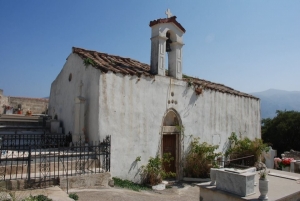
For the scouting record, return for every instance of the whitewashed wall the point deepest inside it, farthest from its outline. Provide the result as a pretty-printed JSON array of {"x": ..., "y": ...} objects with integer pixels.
[
  {"x": 63, "y": 94},
  {"x": 132, "y": 110}
]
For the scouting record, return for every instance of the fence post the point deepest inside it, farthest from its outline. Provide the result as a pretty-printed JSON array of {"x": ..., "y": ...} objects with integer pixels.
[
  {"x": 29, "y": 162},
  {"x": 109, "y": 152}
]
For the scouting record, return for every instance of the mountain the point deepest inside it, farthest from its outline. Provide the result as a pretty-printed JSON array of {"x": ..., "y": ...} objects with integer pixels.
[{"x": 274, "y": 99}]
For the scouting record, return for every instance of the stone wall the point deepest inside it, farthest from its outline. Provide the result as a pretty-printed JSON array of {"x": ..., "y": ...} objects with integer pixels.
[
  {"x": 35, "y": 105},
  {"x": 3, "y": 101}
]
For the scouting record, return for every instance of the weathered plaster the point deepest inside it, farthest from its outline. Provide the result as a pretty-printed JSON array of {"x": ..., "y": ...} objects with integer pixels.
[
  {"x": 131, "y": 110},
  {"x": 64, "y": 92}
]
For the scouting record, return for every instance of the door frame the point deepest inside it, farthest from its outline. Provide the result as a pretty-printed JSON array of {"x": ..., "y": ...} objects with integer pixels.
[{"x": 170, "y": 130}]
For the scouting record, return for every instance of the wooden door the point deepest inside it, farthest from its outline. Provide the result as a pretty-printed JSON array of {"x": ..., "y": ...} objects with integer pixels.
[{"x": 169, "y": 146}]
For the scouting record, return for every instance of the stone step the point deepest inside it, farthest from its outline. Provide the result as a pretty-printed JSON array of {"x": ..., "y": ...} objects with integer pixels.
[
  {"x": 51, "y": 174},
  {"x": 19, "y": 117}
]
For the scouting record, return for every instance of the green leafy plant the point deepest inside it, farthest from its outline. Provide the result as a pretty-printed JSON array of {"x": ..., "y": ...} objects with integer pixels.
[
  {"x": 74, "y": 196},
  {"x": 189, "y": 82},
  {"x": 37, "y": 198},
  {"x": 233, "y": 138},
  {"x": 283, "y": 131},
  {"x": 215, "y": 165},
  {"x": 138, "y": 159},
  {"x": 129, "y": 184},
  {"x": 199, "y": 159},
  {"x": 88, "y": 61},
  {"x": 245, "y": 147},
  {"x": 154, "y": 171}
]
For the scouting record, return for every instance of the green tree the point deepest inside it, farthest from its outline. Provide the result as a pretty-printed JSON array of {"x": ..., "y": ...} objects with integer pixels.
[{"x": 283, "y": 131}]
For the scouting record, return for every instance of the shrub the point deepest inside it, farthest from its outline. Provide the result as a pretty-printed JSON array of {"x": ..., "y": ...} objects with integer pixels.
[
  {"x": 38, "y": 198},
  {"x": 154, "y": 171},
  {"x": 129, "y": 184},
  {"x": 245, "y": 147},
  {"x": 74, "y": 196},
  {"x": 199, "y": 158}
]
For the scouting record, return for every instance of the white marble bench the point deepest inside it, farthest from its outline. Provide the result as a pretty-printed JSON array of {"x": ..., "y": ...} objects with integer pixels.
[{"x": 239, "y": 182}]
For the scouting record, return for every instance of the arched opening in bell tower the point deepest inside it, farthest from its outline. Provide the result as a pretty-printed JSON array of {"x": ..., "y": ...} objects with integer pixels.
[{"x": 170, "y": 39}]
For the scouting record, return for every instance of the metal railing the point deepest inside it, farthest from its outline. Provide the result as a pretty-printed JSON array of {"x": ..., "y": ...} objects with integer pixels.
[
  {"x": 47, "y": 159},
  {"x": 235, "y": 162},
  {"x": 241, "y": 162},
  {"x": 42, "y": 140}
]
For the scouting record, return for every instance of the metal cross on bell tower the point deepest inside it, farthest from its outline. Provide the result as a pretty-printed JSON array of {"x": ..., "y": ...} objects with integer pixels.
[{"x": 168, "y": 13}]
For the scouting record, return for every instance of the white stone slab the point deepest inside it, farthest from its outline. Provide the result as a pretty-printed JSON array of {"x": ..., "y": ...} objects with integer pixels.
[
  {"x": 284, "y": 176},
  {"x": 239, "y": 171},
  {"x": 279, "y": 189},
  {"x": 269, "y": 158},
  {"x": 241, "y": 184}
]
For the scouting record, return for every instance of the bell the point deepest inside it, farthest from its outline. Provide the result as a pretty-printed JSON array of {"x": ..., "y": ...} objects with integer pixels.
[{"x": 168, "y": 46}]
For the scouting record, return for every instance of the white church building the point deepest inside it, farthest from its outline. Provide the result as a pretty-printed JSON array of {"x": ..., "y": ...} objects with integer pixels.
[{"x": 144, "y": 106}]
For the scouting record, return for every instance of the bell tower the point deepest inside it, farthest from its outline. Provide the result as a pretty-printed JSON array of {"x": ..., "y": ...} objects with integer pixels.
[{"x": 166, "y": 44}]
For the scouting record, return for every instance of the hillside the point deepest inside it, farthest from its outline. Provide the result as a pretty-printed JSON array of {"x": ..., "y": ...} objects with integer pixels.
[{"x": 274, "y": 99}]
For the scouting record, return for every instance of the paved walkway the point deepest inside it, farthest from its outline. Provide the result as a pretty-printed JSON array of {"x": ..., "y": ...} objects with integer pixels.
[
  {"x": 181, "y": 192},
  {"x": 178, "y": 192},
  {"x": 55, "y": 193}
]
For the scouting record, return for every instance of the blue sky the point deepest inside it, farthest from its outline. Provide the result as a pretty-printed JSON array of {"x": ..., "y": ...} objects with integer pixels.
[{"x": 251, "y": 45}]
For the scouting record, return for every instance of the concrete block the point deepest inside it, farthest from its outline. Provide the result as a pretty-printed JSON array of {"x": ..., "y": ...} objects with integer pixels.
[
  {"x": 21, "y": 184},
  {"x": 111, "y": 183},
  {"x": 159, "y": 187},
  {"x": 83, "y": 181}
]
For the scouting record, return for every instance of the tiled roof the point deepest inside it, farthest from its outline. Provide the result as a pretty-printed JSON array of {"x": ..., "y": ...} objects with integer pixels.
[
  {"x": 127, "y": 66},
  {"x": 204, "y": 84},
  {"x": 116, "y": 64},
  {"x": 167, "y": 20}
]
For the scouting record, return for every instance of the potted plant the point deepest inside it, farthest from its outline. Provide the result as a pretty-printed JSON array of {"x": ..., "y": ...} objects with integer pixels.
[
  {"x": 286, "y": 163},
  {"x": 263, "y": 185},
  {"x": 283, "y": 164},
  {"x": 28, "y": 113}
]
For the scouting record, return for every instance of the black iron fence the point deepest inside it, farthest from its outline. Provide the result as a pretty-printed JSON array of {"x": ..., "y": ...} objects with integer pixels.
[
  {"x": 48, "y": 157},
  {"x": 35, "y": 141}
]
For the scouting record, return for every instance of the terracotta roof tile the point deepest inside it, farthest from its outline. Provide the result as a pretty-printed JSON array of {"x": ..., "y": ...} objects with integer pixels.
[
  {"x": 127, "y": 66},
  {"x": 217, "y": 87},
  {"x": 167, "y": 20}
]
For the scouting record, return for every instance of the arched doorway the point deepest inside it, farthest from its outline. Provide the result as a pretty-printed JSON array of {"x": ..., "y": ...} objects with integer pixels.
[{"x": 171, "y": 140}]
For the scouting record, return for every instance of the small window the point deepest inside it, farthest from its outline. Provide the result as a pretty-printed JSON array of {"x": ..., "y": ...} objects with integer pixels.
[{"x": 70, "y": 77}]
